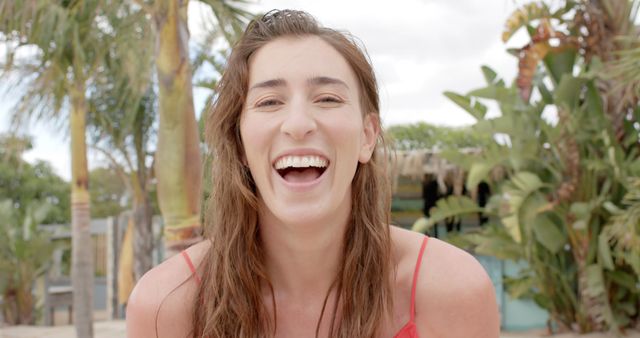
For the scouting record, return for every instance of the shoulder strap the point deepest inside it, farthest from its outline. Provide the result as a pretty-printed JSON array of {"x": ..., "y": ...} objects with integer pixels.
[
  {"x": 415, "y": 278},
  {"x": 191, "y": 267}
]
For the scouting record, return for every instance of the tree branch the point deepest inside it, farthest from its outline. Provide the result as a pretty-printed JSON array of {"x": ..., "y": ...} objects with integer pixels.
[{"x": 118, "y": 168}]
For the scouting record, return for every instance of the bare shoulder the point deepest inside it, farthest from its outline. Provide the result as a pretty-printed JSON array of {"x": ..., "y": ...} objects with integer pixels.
[
  {"x": 454, "y": 294},
  {"x": 161, "y": 303}
]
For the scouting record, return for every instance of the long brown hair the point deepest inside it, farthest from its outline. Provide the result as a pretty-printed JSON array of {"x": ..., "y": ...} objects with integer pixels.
[{"x": 230, "y": 300}]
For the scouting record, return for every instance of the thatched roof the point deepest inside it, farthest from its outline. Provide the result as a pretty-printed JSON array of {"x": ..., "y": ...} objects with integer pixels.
[{"x": 415, "y": 164}]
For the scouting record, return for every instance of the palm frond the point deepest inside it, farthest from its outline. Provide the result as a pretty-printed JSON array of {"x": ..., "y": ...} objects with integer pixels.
[{"x": 453, "y": 206}]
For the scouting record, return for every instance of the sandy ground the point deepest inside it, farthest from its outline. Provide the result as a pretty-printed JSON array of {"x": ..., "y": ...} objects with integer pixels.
[{"x": 116, "y": 329}]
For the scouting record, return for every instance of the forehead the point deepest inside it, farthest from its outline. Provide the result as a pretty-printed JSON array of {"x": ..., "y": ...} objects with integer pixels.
[{"x": 297, "y": 59}]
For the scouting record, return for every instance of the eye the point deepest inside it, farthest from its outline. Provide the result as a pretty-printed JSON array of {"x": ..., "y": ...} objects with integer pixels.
[
  {"x": 329, "y": 100},
  {"x": 268, "y": 103}
]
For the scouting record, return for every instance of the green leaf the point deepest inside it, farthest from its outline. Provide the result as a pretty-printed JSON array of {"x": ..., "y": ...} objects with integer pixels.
[
  {"x": 568, "y": 92},
  {"x": 547, "y": 96},
  {"x": 519, "y": 287},
  {"x": 548, "y": 233},
  {"x": 421, "y": 225},
  {"x": 560, "y": 63},
  {"x": 633, "y": 260},
  {"x": 479, "y": 172},
  {"x": 500, "y": 94},
  {"x": 476, "y": 109},
  {"x": 453, "y": 206},
  {"x": 595, "y": 282},
  {"x": 594, "y": 100},
  {"x": 625, "y": 279},
  {"x": 543, "y": 301},
  {"x": 523, "y": 184},
  {"x": 495, "y": 241},
  {"x": 604, "y": 252},
  {"x": 513, "y": 227},
  {"x": 489, "y": 75}
]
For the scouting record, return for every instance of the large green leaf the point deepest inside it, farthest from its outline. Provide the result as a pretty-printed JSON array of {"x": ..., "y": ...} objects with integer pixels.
[
  {"x": 519, "y": 287},
  {"x": 568, "y": 92},
  {"x": 560, "y": 63},
  {"x": 520, "y": 186},
  {"x": 490, "y": 76},
  {"x": 494, "y": 240},
  {"x": 453, "y": 206},
  {"x": 513, "y": 227},
  {"x": 516, "y": 191},
  {"x": 548, "y": 233},
  {"x": 491, "y": 156},
  {"x": 594, "y": 101},
  {"x": 478, "y": 172},
  {"x": 497, "y": 93},
  {"x": 475, "y": 108},
  {"x": 421, "y": 225}
]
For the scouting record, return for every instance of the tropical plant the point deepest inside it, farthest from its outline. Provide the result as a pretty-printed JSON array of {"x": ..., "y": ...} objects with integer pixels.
[
  {"x": 123, "y": 134},
  {"x": 29, "y": 195},
  {"x": 108, "y": 193},
  {"x": 178, "y": 165},
  {"x": 23, "y": 182},
  {"x": 25, "y": 252},
  {"x": 66, "y": 44},
  {"x": 569, "y": 203}
]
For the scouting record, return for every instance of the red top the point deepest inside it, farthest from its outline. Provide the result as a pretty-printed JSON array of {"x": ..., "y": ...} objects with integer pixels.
[{"x": 408, "y": 330}]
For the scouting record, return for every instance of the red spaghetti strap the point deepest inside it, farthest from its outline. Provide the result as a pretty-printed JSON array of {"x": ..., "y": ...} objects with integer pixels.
[
  {"x": 415, "y": 278},
  {"x": 191, "y": 267}
]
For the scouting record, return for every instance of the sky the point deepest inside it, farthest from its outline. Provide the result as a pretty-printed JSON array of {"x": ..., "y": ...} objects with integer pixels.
[{"x": 419, "y": 49}]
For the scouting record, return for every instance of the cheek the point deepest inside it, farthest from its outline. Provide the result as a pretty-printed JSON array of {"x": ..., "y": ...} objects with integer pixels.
[
  {"x": 346, "y": 130},
  {"x": 253, "y": 136}
]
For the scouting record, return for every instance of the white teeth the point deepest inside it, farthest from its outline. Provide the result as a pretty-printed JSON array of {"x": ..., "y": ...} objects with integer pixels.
[{"x": 300, "y": 162}]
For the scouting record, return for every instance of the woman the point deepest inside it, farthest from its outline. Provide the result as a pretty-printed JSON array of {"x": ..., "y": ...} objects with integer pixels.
[{"x": 298, "y": 236}]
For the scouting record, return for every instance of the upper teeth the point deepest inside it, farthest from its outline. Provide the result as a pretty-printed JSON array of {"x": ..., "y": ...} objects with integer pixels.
[{"x": 300, "y": 162}]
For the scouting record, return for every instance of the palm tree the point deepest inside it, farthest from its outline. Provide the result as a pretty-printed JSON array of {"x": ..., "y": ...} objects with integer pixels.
[
  {"x": 123, "y": 136},
  {"x": 72, "y": 40},
  {"x": 178, "y": 160}
]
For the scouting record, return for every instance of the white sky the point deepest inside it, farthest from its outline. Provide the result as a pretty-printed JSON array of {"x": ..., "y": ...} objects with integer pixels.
[{"x": 419, "y": 49}]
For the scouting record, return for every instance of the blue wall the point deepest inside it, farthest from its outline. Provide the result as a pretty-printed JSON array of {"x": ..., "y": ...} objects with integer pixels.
[{"x": 515, "y": 315}]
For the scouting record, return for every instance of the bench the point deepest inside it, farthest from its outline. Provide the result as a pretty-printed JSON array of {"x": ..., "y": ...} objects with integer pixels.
[{"x": 57, "y": 296}]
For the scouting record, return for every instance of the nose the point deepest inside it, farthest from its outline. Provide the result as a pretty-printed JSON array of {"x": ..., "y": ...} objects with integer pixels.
[{"x": 299, "y": 122}]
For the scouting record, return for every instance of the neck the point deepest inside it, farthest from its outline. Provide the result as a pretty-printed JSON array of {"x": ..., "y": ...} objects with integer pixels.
[{"x": 303, "y": 259}]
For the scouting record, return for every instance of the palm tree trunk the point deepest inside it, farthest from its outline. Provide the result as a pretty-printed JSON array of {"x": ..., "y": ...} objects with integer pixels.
[
  {"x": 178, "y": 166},
  {"x": 81, "y": 253},
  {"x": 143, "y": 235}
]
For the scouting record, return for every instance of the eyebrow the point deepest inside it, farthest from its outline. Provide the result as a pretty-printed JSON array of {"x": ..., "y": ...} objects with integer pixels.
[
  {"x": 325, "y": 80},
  {"x": 269, "y": 84},
  {"x": 314, "y": 81}
]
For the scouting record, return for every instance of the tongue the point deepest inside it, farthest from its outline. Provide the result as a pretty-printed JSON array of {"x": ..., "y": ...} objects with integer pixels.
[{"x": 301, "y": 175}]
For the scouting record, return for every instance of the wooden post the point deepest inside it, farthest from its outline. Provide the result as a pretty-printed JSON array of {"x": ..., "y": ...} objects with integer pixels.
[{"x": 112, "y": 271}]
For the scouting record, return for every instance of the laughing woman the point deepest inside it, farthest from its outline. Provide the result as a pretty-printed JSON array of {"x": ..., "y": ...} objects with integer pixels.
[{"x": 298, "y": 236}]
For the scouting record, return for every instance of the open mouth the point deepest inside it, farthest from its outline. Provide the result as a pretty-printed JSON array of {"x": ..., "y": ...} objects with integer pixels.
[{"x": 301, "y": 169}]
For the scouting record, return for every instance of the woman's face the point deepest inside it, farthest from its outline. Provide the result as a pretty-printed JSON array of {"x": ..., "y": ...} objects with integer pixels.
[{"x": 303, "y": 130}]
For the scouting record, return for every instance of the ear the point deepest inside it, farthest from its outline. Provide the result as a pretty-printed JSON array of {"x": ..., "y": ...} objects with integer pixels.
[
  {"x": 243, "y": 159},
  {"x": 370, "y": 132}
]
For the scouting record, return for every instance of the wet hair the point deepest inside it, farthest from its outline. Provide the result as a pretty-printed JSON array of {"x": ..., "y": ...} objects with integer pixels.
[{"x": 230, "y": 300}]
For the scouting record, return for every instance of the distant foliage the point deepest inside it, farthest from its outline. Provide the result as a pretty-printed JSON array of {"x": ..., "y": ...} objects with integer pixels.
[
  {"x": 422, "y": 135},
  {"x": 23, "y": 182},
  {"x": 108, "y": 193}
]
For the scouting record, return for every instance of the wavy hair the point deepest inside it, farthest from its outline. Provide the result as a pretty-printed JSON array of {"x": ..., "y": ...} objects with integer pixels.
[{"x": 230, "y": 299}]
